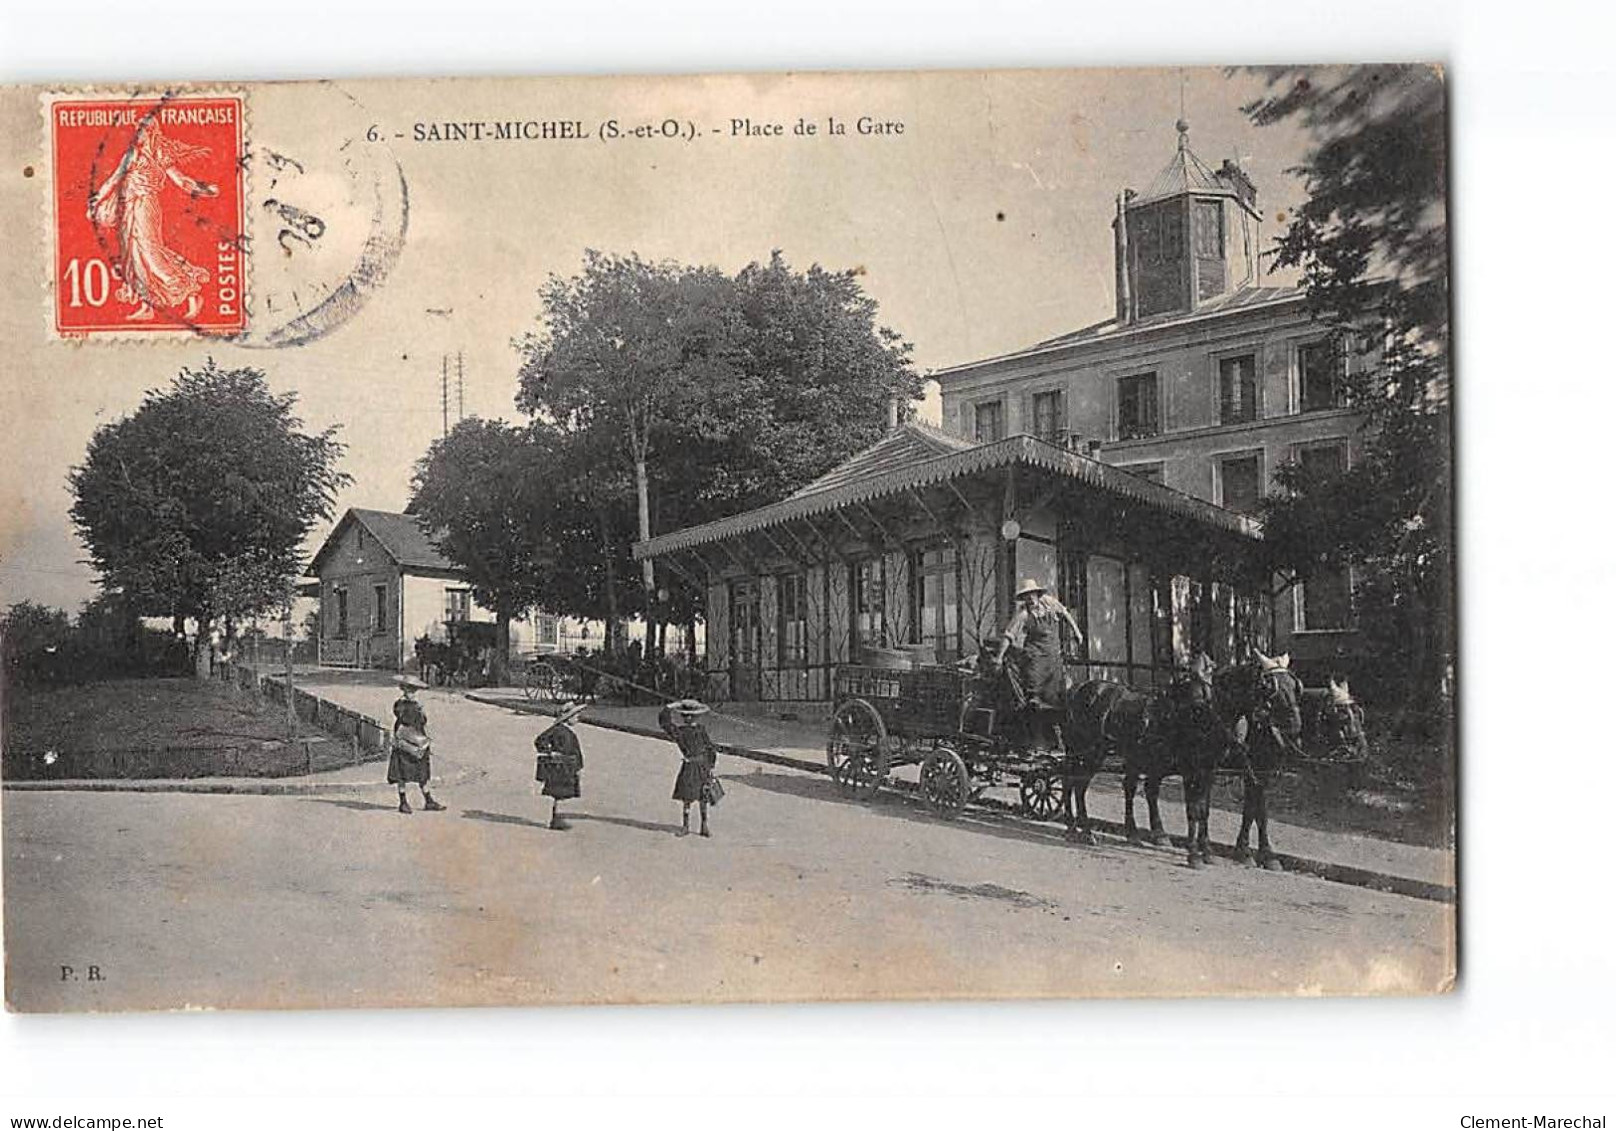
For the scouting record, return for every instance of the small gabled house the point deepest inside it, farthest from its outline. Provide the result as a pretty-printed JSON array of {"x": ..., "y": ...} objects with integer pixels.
[{"x": 383, "y": 585}]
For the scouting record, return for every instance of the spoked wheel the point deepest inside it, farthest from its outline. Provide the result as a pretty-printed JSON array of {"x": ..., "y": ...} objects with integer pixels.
[
  {"x": 541, "y": 682},
  {"x": 1043, "y": 794},
  {"x": 857, "y": 750},
  {"x": 945, "y": 783}
]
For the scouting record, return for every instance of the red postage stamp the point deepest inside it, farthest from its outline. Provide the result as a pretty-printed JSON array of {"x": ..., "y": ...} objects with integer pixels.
[{"x": 149, "y": 214}]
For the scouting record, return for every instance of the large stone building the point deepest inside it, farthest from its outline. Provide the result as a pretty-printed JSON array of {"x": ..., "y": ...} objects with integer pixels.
[
  {"x": 1202, "y": 380},
  {"x": 1119, "y": 465}
]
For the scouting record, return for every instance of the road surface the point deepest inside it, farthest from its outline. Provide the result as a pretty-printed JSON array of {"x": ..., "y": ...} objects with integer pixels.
[{"x": 188, "y": 900}]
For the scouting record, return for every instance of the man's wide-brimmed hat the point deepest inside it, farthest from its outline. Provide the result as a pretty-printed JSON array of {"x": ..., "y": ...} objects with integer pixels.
[
  {"x": 689, "y": 707},
  {"x": 1273, "y": 663},
  {"x": 568, "y": 712},
  {"x": 1029, "y": 586},
  {"x": 410, "y": 683}
]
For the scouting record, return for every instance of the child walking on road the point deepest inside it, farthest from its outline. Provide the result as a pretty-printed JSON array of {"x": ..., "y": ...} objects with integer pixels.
[
  {"x": 411, "y": 759},
  {"x": 560, "y": 762},
  {"x": 697, "y": 783}
]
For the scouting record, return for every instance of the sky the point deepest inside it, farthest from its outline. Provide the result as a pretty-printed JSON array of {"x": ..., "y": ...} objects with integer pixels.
[{"x": 981, "y": 228}]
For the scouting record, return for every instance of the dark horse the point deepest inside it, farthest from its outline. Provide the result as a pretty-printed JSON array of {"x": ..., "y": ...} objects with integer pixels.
[
  {"x": 1261, "y": 703},
  {"x": 1187, "y": 729}
]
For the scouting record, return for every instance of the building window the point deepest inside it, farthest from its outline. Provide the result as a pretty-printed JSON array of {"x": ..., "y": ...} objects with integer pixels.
[
  {"x": 1209, "y": 229},
  {"x": 1324, "y": 601},
  {"x": 869, "y": 602},
  {"x": 1319, "y": 378},
  {"x": 936, "y": 599},
  {"x": 457, "y": 604},
  {"x": 1240, "y": 482},
  {"x": 341, "y": 596},
  {"x": 1049, "y": 416},
  {"x": 990, "y": 422},
  {"x": 793, "y": 635},
  {"x": 1323, "y": 462},
  {"x": 549, "y": 630},
  {"x": 1137, "y": 415},
  {"x": 1150, "y": 471},
  {"x": 1237, "y": 389},
  {"x": 744, "y": 623},
  {"x": 380, "y": 619}
]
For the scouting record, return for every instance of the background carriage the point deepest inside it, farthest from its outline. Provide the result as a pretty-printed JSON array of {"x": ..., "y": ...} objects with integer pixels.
[{"x": 939, "y": 719}]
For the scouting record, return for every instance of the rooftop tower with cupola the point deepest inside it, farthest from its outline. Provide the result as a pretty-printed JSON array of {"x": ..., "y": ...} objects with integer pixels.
[{"x": 1188, "y": 238}]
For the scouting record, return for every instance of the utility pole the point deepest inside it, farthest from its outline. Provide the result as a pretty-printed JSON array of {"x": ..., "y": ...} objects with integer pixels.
[
  {"x": 291, "y": 702},
  {"x": 460, "y": 380},
  {"x": 445, "y": 389}
]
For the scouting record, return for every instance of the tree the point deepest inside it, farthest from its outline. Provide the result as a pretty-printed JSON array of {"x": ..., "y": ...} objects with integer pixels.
[
  {"x": 197, "y": 505},
  {"x": 33, "y": 638},
  {"x": 1372, "y": 243},
  {"x": 485, "y": 497},
  {"x": 715, "y": 393},
  {"x": 625, "y": 342}
]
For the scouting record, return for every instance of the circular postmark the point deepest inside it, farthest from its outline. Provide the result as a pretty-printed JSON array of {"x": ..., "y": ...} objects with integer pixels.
[
  {"x": 329, "y": 209},
  {"x": 174, "y": 214}
]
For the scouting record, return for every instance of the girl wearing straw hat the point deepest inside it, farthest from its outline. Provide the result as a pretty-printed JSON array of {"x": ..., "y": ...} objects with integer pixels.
[
  {"x": 696, "y": 782},
  {"x": 411, "y": 759},
  {"x": 560, "y": 761}
]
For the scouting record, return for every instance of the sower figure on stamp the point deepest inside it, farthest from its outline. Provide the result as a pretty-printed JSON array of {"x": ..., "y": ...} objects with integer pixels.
[
  {"x": 129, "y": 204},
  {"x": 1035, "y": 633},
  {"x": 697, "y": 781},
  {"x": 412, "y": 749},
  {"x": 560, "y": 762}
]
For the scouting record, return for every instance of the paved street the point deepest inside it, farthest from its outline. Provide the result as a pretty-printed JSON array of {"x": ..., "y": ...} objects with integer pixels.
[{"x": 287, "y": 901}]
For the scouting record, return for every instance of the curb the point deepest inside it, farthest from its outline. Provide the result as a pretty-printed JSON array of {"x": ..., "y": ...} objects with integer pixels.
[
  {"x": 1321, "y": 869},
  {"x": 246, "y": 787}
]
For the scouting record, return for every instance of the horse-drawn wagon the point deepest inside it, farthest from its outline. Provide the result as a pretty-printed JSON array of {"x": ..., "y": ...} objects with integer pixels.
[{"x": 940, "y": 719}]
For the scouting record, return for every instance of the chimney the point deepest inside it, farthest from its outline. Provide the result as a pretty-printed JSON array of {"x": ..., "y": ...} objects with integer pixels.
[
  {"x": 1235, "y": 177},
  {"x": 894, "y": 413},
  {"x": 1119, "y": 228}
]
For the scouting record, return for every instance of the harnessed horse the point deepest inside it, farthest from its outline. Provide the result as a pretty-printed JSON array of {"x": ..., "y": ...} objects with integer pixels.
[{"x": 1185, "y": 729}]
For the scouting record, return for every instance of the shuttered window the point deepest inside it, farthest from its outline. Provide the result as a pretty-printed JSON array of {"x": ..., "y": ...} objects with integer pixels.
[{"x": 1237, "y": 389}]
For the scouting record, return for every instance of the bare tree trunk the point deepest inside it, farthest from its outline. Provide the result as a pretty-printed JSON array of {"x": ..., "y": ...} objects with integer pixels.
[
  {"x": 500, "y": 668},
  {"x": 612, "y": 619},
  {"x": 203, "y": 654}
]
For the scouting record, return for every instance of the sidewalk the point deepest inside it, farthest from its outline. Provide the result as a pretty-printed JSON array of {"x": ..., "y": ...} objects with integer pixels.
[
  {"x": 363, "y": 778},
  {"x": 1405, "y": 869}
]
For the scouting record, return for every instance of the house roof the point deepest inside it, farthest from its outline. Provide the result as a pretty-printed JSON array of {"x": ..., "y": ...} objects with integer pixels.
[
  {"x": 401, "y": 537},
  {"x": 909, "y": 443},
  {"x": 894, "y": 465},
  {"x": 1244, "y": 298}
]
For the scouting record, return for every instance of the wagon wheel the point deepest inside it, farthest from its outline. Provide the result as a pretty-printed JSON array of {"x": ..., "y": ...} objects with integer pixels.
[
  {"x": 1043, "y": 794},
  {"x": 540, "y": 682},
  {"x": 945, "y": 783},
  {"x": 857, "y": 751}
]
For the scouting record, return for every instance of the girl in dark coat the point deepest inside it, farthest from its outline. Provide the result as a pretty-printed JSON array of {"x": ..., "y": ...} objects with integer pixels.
[
  {"x": 560, "y": 762},
  {"x": 697, "y": 783},
  {"x": 411, "y": 759}
]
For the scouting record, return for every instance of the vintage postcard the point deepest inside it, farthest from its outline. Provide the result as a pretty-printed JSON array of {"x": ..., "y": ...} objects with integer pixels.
[{"x": 780, "y": 537}]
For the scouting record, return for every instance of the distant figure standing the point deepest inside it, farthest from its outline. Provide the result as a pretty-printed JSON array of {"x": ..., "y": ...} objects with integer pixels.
[
  {"x": 697, "y": 783},
  {"x": 412, "y": 749},
  {"x": 560, "y": 762}
]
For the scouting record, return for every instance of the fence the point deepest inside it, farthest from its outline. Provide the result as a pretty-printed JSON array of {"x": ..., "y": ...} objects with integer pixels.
[{"x": 367, "y": 739}]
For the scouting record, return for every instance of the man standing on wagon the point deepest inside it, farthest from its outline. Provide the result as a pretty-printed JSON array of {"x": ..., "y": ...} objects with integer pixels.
[{"x": 1035, "y": 633}]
